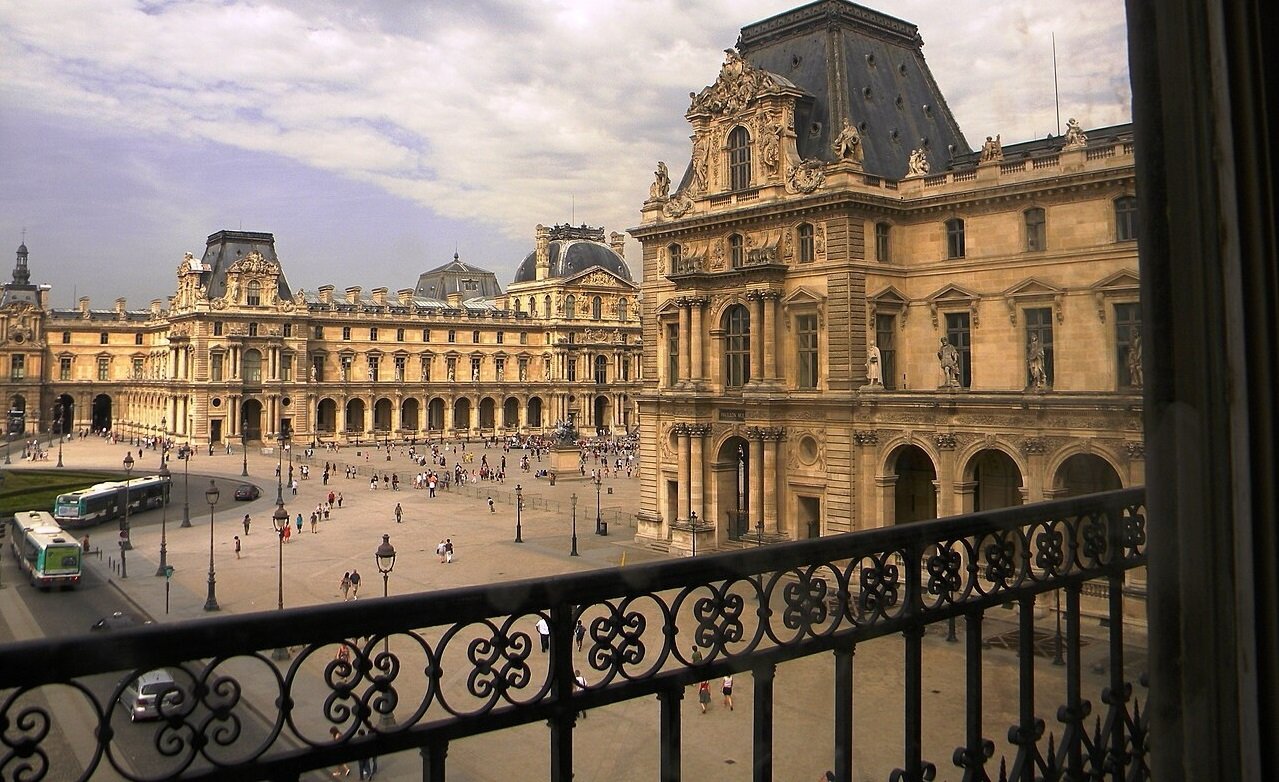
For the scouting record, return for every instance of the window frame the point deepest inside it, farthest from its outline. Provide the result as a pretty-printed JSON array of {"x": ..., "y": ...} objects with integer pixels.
[
  {"x": 1035, "y": 227},
  {"x": 883, "y": 242},
  {"x": 805, "y": 243},
  {"x": 737, "y": 346},
  {"x": 956, "y": 239},
  {"x": 807, "y": 351},
  {"x": 738, "y": 149},
  {"x": 1125, "y": 207}
]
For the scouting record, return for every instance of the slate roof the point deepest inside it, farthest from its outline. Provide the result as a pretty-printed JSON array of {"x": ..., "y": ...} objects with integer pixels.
[
  {"x": 224, "y": 248},
  {"x": 457, "y": 276}
]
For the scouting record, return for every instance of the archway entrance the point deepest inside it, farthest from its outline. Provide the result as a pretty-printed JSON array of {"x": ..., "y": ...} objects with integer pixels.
[
  {"x": 914, "y": 493},
  {"x": 326, "y": 416},
  {"x": 435, "y": 415},
  {"x": 602, "y": 415},
  {"x": 733, "y": 490},
  {"x": 355, "y": 417},
  {"x": 535, "y": 412},
  {"x": 101, "y": 413},
  {"x": 511, "y": 413},
  {"x": 409, "y": 415},
  {"x": 1085, "y": 473},
  {"x": 488, "y": 413},
  {"x": 17, "y": 416},
  {"x": 251, "y": 419},
  {"x": 382, "y": 415},
  {"x": 64, "y": 414},
  {"x": 462, "y": 414},
  {"x": 997, "y": 481}
]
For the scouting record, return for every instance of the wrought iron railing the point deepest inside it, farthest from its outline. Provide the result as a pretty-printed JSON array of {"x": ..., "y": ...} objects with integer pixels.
[{"x": 418, "y": 671}]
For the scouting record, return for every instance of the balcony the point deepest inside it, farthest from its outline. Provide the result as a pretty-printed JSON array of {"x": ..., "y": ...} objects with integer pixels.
[{"x": 417, "y": 672}]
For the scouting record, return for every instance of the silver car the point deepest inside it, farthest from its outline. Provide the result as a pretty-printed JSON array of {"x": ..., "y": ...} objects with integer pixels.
[{"x": 142, "y": 696}]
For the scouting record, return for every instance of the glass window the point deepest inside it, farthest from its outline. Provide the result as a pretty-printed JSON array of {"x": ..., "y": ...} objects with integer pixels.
[
  {"x": 736, "y": 251},
  {"x": 66, "y": 338},
  {"x": 886, "y": 341},
  {"x": 739, "y": 159},
  {"x": 570, "y": 305},
  {"x": 317, "y": 366},
  {"x": 532, "y": 306},
  {"x": 737, "y": 347},
  {"x": 64, "y": 368},
  {"x": 373, "y": 334},
  {"x": 1127, "y": 341},
  {"x": 806, "y": 345},
  {"x": 253, "y": 329},
  {"x": 475, "y": 369},
  {"x": 523, "y": 337},
  {"x": 955, "y": 238},
  {"x": 518, "y": 306},
  {"x": 253, "y": 293},
  {"x": 251, "y": 367},
  {"x": 346, "y": 333},
  {"x": 883, "y": 248},
  {"x": 374, "y": 366},
  {"x": 452, "y": 335},
  {"x": 102, "y": 338},
  {"x": 572, "y": 370},
  {"x": 400, "y": 362},
  {"x": 137, "y": 339},
  {"x": 346, "y": 369},
  {"x": 217, "y": 329},
  {"x": 288, "y": 329},
  {"x": 626, "y": 369},
  {"x": 215, "y": 367},
  {"x": 677, "y": 256},
  {"x": 546, "y": 305},
  {"x": 501, "y": 337},
  {"x": 804, "y": 242},
  {"x": 17, "y": 366},
  {"x": 672, "y": 354},
  {"x": 1035, "y": 233},
  {"x": 475, "y": 337},
  {"x": 499, "y": 367},
  {"x": 427, "y": 361},
  {"x": 1126, "y": 219},
  {"x": 959, "y": 334},
  {"x": 597, "y": 308},
  {"x": 601, "y": 369},
  {"x": 286, "y": 367},
  {"x": 623, "y": 310},
  {"x": 319, "y": 332},
  {"x": 1039, "y": 335},
  {"x": 104, "y": 369},
  {"x": 426, "y": 335},
  {"x": 451, "y": 367}
]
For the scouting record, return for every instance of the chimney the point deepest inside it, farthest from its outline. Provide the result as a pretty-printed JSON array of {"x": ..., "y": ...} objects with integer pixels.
[
  {"x": 326, "y": 294},
  {"x": 155, "y": 308},
  {"x": 84, "y": 306},
  {"x": 543, "y": 250},
  {"x": 454, "y": 300},
  {"x": 119, "y": 308},
  {"x": 353, "y": 294},
  {"x": 379, "y": 296},
  {"x": 617, "y": 241},
  {"x": 405, "y": 296}
]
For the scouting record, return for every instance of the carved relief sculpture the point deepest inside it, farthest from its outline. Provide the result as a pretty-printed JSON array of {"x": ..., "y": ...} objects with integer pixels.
[
  {"x": 992, "y": 150},
  {"x": 771, "y": 153},
  {"x": 848, "y": 144},
  {"x": 806, "y": 177},
  {"x": 1136, "y": 377},
  {"x": 874, "y": 367},
  {"x": 701, "y": 163}
]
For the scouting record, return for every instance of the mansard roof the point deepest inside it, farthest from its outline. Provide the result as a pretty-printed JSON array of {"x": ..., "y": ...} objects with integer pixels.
[
  {"x": 225, "y": 248},
  {"x": 457, "y": 276}
]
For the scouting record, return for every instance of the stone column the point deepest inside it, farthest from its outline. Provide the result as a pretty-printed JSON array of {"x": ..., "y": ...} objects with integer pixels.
[
  {"x": 697, "y": 470},
  {"x": 772, "y": 480},
  {"x": 757, "y": 481},
  {"x": 683, "y": 463},
  {"x": 887, "y": 487},
  {"x": 758, "y": 336},
  {"x": 695, "y": 340},
  {"x": 685, "y": 333},
  {"x": 768, "y": 327}
]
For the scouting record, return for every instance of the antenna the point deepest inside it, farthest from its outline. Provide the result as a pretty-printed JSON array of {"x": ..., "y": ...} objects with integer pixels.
[{"x": 1056, "y": 93}]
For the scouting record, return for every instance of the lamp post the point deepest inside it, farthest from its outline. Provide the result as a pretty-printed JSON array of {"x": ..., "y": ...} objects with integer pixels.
[
  {"x": 692, "y": 525},
  {"x": 599, "y": 522},
  {"x": 279, "y": 477},
  {"x": 58, "y": 421},
  {"x": 280, "y": 520},
  {"x": 164, "y": 425},
  {"x": 211, "y": 496},
  {"x": 164, "y": 520},
  {"x": 519, "y": 506},
  {"x": 385, "y": 557},
  {"x": 124, "y": 522},
  {"x": 184, "y": 453},
  {"x": 1057, "y": 647},
  {"x": 573, "y": 500},
  {"x": 244, "y": 446}
]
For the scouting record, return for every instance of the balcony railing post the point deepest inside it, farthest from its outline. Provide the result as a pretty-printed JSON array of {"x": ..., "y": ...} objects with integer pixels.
[
  {"x": 433, "y": 757},
  {"x": 977, "y": 749},
  {"x": 670, "y": 733},
  {"x": 1026, "y": 733},
  {"x": 562, "y": 691},
  {"x": 914, "y": 702},
  {"x": 844, "y": 713},
  {"x": 763, "y": 721},
  {"x": 1073, "y": 712}
]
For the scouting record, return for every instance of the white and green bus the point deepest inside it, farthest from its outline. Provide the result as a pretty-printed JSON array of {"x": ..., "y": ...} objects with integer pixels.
[
  {"x": 105, "y": 501},
  {"x": 45, "y": 552}
]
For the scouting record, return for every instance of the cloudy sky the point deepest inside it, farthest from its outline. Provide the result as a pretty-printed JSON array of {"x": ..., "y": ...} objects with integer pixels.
[{"x": 375, "y": 138}]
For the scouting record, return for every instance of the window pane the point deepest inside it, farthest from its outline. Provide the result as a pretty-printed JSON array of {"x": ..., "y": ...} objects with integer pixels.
[
  {"x": 882, "y": 252},
  {"x": 955, "y": 238},
  {"x": 1128, "y": 343},
  {"x": 959, "y": 335},
  {"x": 1039, "y": 346},
  {"x": 886, "y": 341},
  {"x": 739, "y": 159},
  {"x": 806, "y": 339},
  {"x": 1035, "y": 230}
]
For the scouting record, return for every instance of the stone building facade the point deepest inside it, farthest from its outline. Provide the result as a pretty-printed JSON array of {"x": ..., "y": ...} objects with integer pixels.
[
  {"x": 237, "y": 353},
  {"x": 855, "y": 320}
]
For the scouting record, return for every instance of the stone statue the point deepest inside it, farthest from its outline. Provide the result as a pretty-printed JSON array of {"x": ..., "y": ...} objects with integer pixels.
[
  {"x": 475, "y": 374},
  {"x": 451, "y": 376},
  {"x": 314, "y": 374},
  {"x": 874, "y": 367},
  {"x": 918, "y": 165},
  {"x": 232, "y": 289},
  {"x": 992, "y": 150},
  {"x": 523, "y": 372},
  {"x": 701, "y": 163},
  {"x": 565, "y": 434},
  {"x": 771, "y": 152},
  {"x": 1136, "y": 376},
  {"x": 848, "y": 144},
  {"x": 949, "y": 358},
  {"x": 1035, "y": 363},
  {"x": 660, "y": 190},
  {"x": 1075, "y": 136}
]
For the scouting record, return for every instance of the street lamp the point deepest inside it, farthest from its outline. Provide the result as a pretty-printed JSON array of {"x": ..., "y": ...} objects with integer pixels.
[
  {"x": 164, "y": 450},
  {"x": 184, "y": 453},
  {"x": 519, "y": 506},
  {"x": 280, "y": 520},
  {"x": 58, "y": 422},
  {"x": 164, "y": 520},
  {"x": 125, "y": 545},
  {"x": 385, "y": 557},
  {"x": 279, "y": 467},
  {"x": 244, "y": 445},
  {"x": 573, "y": 499},
  {"x": 1057, "y": 647},
  {"x": 599, "y": 522},
  {"x": 211, "y": 496},
  {"x": 692, "y": 525}
]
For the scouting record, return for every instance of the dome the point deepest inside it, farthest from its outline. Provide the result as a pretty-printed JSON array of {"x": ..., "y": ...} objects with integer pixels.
[{"x": 572, "y": 251}]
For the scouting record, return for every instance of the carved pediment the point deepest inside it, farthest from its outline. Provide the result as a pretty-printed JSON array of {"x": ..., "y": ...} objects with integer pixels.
[
  {"x": 1032, "y": 291},
  {"x": 953, "y": 297},
  {"x": 255, "y": 264},
  {"x": 738, "y": 85},
  {"x": 889, "y": 298},
  {"x": 599, "y": 278},
  {"x": 1123, "y": 281},
  {"x": 803, "y": 296}
]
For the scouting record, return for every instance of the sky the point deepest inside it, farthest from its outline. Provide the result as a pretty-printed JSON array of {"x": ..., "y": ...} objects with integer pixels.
[{"x": 376, "y": 138}]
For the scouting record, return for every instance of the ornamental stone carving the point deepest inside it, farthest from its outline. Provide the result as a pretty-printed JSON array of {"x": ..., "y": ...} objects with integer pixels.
[
  {"x": 866, "y": 437},
  {"x": 992, "y": 150},
  {"x": 805, "y": 177},
  {"x": 1135, "y": 450},
  {"x": 738, "y": 84},
  {"x": 918, "y": 164},
  {"x": 945, "y": 441},
  {"x": 848, "y": 144},
  {"x": 660, "y": 190},
  {"x": 1075, "y": 136},
  {"x": 1034, "y": 446}
]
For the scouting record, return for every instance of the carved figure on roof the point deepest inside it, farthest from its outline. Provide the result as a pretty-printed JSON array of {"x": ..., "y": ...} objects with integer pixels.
[
  {"x": 772, "y": 145},
  {"x": 737, "y": 85},
  {"x": 1075, "y": 136},
  {"x": 299, "y": 298},
  {"x": 701, "y": 163},
  {"x": 848, "y": 144},
  {"x": 918, "y": 165},
  {"x": 992, "y": 150},
  {"x": 660, "y": 190}
]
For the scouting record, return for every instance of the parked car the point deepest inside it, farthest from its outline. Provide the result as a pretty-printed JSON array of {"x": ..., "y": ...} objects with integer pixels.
[
  {"x": 247, "y": 491},
  {"x": 117, "y": 620},
  {"x": 142, "y": 697}
]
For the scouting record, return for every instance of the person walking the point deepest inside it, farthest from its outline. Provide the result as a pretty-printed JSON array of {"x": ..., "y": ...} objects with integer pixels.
[
  {"x": 339, "y": 499},
  {"x": 300, "y": 523},
  {"x": 726, "y": 687},
  {"x": 704, "y": 695},
  {"x": 491, "y": 508},
  {"x": 544, "y": 633},
  {"x": 342, "y": 769},
  {"x": 314, "y": 519},
  {"x": 355, "y": 584},
  {"x": 345, "y": 585},
  {"x": 246, "y": 524},
  {"x": 237, "y": 546},
  {"x": 448, "y": 551},
  {"x": 439, "y": 550},
  {"x": 287, "y": 532},
  {"x": 579, "y": 634},
  {"x": 579, "y": 683},
  {"x": 399, "y": 513}
]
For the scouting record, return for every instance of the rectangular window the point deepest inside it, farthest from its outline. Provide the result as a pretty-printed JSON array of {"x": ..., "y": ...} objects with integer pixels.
[
  {"x": 17, "y": 367},
  {"x": 346, "y": 333},
  {"x": 66, "y": 338},
  {"x": 102, "y": 338},
  {"x": 373, "y": 334},
  {"x": 217, "y": 328},
  {"x": 475, "y": 337},
  {"x": 523, "y": 337},
  {"x": 319, "y": 332},
  {"x": 501, "y": 337},
  {"x": 427, "y": 361},
  {"x": 955, "y": 238},
  {"x": 288, "y": 329},
  {"x": 137, "y": 339},
  {"x": 672, "y": 354},
  {"x": 451, "y": 366},
  {"x": 317, "y": 369},
  {"x": 1126, "y": 219},
  {"x": 523, "y": 369},
  {"x": 601, "y": 370},
  {"x": 886, "y": 341},
  {"x": 426, "y": 335},
  {"x": 64, "y": 368},
  {"x": 475, "y": 370},
  {"x": 374, "y": 361},
  {"x": 215, "y": 367},
  {"x": 1039, "y": 346},
  {"x": 804, "y": 240},
  {"x": 806, "y": 345},
  {"x": 882, "y": 250},
  {"x": 253, "y": 329},
  {"x": 104, "y": 369},
  {"x": 499, "y": 366},
  {"x": 626, "y": 369},
  {"x": 452, "y": 335},
  {"x": 959, "y": 334},
  {"x": 1128, "y": 344},
  {"x": 137, "y": 368},
  {"x": 1035, "y": 233},
  {"x": 286, "y": 367},
  {"x": 346, "y": 369},
  {"x": 572, "y": 370},
  {"x": 399, "y": 335},
  {"x": 400, "y": 362}
]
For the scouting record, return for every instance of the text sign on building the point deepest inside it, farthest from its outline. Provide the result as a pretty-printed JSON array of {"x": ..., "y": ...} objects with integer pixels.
[{"x": 732, "y": 415}]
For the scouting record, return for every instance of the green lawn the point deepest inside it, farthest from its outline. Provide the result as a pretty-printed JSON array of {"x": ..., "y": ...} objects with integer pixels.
[{"x": 37, "y": 489}]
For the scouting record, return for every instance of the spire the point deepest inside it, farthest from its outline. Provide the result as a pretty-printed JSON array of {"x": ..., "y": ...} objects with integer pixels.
[{"x": 21, "y": 274}]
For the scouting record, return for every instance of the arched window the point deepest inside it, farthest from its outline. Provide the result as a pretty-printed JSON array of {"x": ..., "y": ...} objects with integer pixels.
[
  {"x": 1126, "y": 219},
  {"x": 570, "y": 306},
  {"x": 517, "y": 306},
  {"x": 597, "y": 308},
  {"x": 737, "y": 346},
  {"x": 253, "y": 293},
  {"x": 546, "y": 305},
  {"x": 955, "y": 238},
  {"x": 532, "y": 306},
  {"x": 677, "y": 257},
  {"x": 804, "y": 243},
  {"x": 1035, "y": 229},
  {"x": 251, "y": 367},
  {"x": 736, "y": 252},
  {"x": 739, "y": 159},
  {"x": 623, "y": 310}
]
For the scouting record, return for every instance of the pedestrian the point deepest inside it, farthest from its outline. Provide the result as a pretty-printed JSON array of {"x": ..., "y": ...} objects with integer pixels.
[
  {"x": 399, "y": 513},
  {"x": 345, "y": 585},
  {"x": 579, "y": 634},
  {"x": 704, "y": 695},
  {"x": 726, "y": 687},
  {"x": 342, "y": 770},
  {"x": 246, "y": 524},
  {"x": 314, "y": 519},
  {"x": 579, "y": 682},
  {"x": 544, "y": 633},
  {"x": 440, "y": 551},
  {"x": 237, "y": 546},
  {"x": 491, "y": 508},
  {"x": 697, "y": 655},
  {"x": 300, "y": 522},
  {"x": 286, "y": 532},
  {"x": 448, "y": 550},
  {"x": 355, "y": 584},
  {"x": 294, "y": 485},
  {"x": 339, "y": 499},
  {"x": 368, "y": 765}
]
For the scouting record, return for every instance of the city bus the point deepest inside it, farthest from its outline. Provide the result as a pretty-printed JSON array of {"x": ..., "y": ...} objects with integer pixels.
[
  {"x": 104, "y": 501},
  {"x": 45, "y": 552}
]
